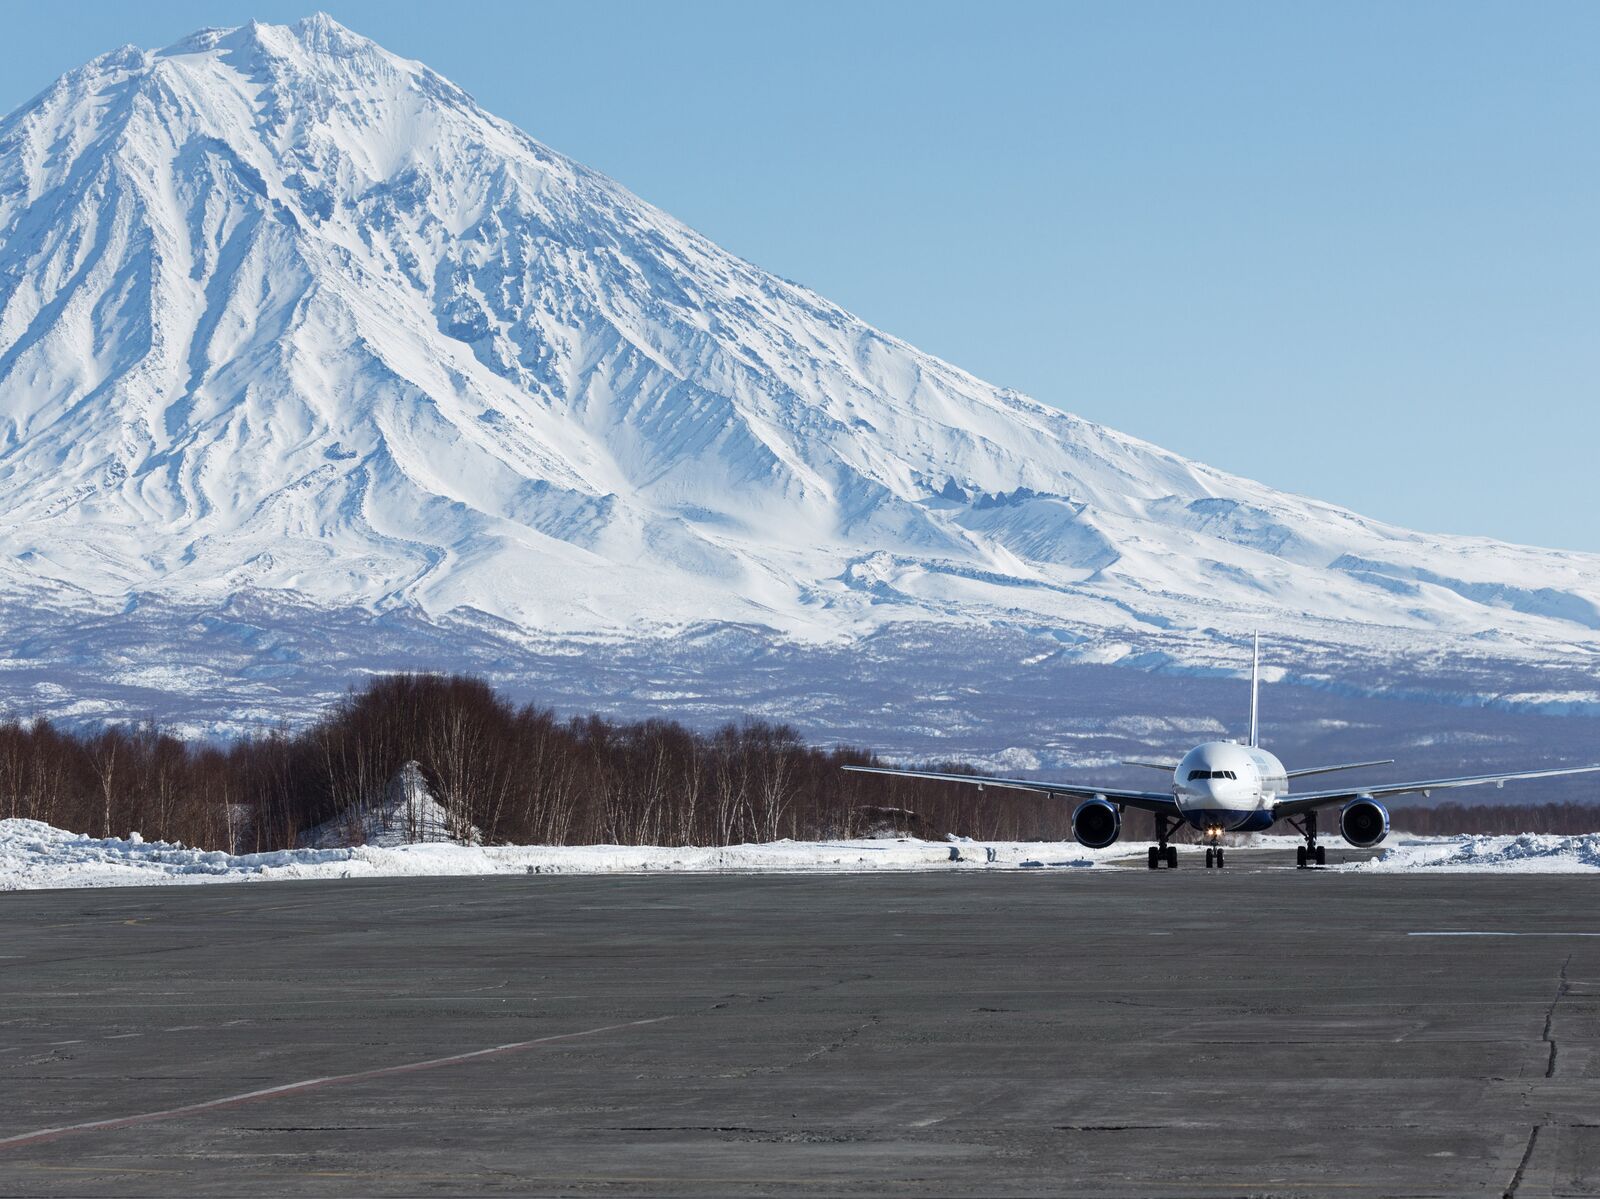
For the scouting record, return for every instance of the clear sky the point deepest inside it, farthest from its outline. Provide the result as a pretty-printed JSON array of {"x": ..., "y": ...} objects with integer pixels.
[{"x": 1349, "y": 249}]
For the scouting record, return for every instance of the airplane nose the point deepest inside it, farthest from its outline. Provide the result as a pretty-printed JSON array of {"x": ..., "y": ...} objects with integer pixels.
[{"x": 1214, "y": 790}]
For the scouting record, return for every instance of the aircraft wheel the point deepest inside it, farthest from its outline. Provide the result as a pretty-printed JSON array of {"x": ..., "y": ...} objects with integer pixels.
[
  {"x": 1172, "y": 857},
  {"x": 1211, "y": 857},
  {"x": 1300, "y": 856},
  {"x": 1155, "y": 857},
  {"x": 1322, "y": 855},
  {"x": 1219, "y": 858}
]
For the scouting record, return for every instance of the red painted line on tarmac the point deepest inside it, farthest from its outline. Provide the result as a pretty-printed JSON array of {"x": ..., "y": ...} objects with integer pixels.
[{"x": 311, "y": 1084}]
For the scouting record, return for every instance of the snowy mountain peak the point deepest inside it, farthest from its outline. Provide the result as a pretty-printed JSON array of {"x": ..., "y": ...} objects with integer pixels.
[{"x": 281, "y": 311}]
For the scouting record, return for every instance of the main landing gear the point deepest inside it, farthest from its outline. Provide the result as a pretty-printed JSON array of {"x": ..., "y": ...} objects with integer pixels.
[
  {"x": 1309, "y": 854},
  {"x": 1161, "y": 853},
  {"x": 1166, "y": 855}
]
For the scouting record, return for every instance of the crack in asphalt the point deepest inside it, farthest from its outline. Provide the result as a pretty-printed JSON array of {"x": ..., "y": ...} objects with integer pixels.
[
  {"x": 1522, "y": 1166},
  {"x": 1562, "y": 987}
]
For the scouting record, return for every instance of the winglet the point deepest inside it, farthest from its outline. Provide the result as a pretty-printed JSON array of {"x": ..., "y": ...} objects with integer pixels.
[{"x": 1255, "y": 689}]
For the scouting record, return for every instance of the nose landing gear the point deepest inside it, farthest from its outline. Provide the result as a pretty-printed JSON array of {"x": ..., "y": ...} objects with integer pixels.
[{"x": 1214, "y": 857}]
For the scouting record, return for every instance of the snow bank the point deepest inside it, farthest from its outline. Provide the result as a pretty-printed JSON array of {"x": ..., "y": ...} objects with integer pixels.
[
  {"x": 1527, "y": 853},
  {"x": 35, "y": 855}
]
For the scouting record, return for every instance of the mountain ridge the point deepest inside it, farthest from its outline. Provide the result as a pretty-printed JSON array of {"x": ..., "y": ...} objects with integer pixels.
[{"x": 283, "y": 312}]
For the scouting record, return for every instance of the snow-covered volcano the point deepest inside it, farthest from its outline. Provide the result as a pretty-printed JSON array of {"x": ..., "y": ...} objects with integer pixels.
[{"x": 283, "y": 314}]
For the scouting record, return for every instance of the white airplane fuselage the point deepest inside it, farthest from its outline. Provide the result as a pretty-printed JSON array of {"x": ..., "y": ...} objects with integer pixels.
[{"x": 1223, "y": 786}]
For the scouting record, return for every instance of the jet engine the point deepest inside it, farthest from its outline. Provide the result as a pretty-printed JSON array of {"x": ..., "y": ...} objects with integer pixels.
[
  {"x": 1096, "y": 823},
  {"x": 1363, "y": 822}
]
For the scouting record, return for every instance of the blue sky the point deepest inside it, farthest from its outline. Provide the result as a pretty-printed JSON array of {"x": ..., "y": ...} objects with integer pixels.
[{"x": 1348, "y": 249}]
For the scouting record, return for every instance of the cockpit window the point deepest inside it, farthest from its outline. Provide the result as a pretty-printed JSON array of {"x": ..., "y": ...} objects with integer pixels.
[{"x": 1211, "y": 774}]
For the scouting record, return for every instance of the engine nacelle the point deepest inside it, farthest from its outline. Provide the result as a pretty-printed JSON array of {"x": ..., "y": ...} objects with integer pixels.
[
  {"x": 1363, "y": 822},
  {"x": 1096, "y": 823}
]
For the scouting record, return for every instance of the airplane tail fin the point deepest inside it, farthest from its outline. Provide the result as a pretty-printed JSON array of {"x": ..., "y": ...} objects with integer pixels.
[{"x": 1255, "y": 689}]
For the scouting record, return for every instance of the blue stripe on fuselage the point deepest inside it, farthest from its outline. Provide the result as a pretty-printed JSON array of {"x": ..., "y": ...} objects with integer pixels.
[{"x": 1249, "y": 820}]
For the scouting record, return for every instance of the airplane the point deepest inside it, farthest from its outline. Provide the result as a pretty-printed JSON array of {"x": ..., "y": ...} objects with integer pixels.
[{"x": 1224, "y": 787}]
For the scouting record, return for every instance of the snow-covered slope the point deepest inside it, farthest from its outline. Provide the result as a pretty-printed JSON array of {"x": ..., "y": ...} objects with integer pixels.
[{"x": 283, "y": 313}]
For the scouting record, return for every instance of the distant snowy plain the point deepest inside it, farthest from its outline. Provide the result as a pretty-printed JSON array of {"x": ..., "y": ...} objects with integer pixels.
[{"x": 36, "y": 856}]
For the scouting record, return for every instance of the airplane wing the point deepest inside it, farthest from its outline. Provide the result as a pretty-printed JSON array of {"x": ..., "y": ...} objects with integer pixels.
[
  {"x": 1149, "y": 801},
  {"x": 1297, "y": 774},
  {"x": 1166, "y": 765},
  {"x": 1295, "y": 805}
]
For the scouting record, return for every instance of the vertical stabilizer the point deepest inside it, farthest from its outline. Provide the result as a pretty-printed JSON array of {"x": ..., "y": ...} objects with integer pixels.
[{"x": 1255, "y": 688}]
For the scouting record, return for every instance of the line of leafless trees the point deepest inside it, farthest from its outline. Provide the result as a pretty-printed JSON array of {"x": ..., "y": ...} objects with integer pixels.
[
  {"x": 517, "y": 775},
  {"x": 1564, "y": 819},
  {"x": 521, "y": 775}
]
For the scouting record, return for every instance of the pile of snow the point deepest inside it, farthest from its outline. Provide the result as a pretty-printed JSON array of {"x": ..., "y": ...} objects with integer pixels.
[
  {"x": 35, "y": 855},
  {"x": 408, "y": 815},
  {"x": 1525, "y": 853}
]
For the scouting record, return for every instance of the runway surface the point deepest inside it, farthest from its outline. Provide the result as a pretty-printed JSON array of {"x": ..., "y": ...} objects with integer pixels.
[{"x": 1258, "y": 1031}]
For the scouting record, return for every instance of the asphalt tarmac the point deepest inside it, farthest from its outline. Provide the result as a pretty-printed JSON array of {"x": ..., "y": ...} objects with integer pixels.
[{"x": 1255, "y": 1031}]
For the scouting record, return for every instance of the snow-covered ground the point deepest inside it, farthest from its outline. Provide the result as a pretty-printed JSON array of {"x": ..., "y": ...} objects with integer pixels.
[
  {"x": 35, "y": 855},
  {"x": 1526, "y": 853}
]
